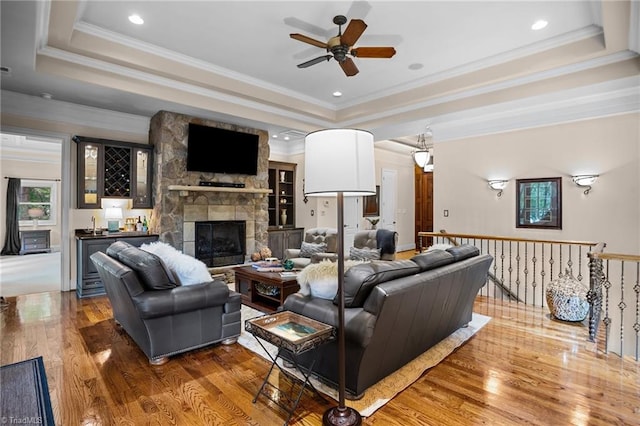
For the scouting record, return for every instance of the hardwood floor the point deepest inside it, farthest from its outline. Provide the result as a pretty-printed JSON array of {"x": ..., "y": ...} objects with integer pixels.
[{"x": 522, "y": 368}]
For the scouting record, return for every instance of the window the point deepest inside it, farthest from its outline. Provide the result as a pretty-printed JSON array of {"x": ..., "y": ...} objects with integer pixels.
[
  {"x": 37, "y": 201},
  {"x": 539, "y": 203}
]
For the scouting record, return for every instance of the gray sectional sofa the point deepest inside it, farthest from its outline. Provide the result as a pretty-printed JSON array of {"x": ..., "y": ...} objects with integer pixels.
[{"x": 394, "y": 311}]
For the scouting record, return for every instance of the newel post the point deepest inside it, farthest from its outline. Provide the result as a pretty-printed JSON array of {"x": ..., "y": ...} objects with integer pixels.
[{"x": 594, "y": 295}]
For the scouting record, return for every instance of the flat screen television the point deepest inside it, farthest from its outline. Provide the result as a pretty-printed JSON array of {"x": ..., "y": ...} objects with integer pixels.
[{"x": 215, "y": 150}]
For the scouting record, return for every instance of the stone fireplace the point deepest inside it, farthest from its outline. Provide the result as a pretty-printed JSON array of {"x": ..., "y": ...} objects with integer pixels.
[{"x": 179, "y": 201}]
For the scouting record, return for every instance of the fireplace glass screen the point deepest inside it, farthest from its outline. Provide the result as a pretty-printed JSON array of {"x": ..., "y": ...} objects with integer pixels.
[{"x": 220, "y": 243}]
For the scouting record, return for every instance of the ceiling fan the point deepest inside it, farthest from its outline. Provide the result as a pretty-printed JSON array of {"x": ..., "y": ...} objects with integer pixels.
[{"x": 341, "y": 46}]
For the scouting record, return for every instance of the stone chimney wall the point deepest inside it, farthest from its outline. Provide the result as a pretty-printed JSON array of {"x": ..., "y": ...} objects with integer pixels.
[{"x": 175, "y": 212}]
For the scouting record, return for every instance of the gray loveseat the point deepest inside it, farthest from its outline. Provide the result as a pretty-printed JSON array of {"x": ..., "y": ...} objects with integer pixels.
[
  {"x": 394, "y": 311},
  {"x": 162, "y": 317}
]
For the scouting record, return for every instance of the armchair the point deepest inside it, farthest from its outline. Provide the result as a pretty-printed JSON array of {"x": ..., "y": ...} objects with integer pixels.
[
  {"x": 312, "y": 249},
  {"x": 382, "y": 239},
  {"x": 163, "y": 317}
]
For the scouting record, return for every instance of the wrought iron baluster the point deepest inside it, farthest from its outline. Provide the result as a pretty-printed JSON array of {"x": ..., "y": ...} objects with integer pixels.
[
  {"x": 560, "y": 263},
  {"x": 542, "y": 275},
  {"x": 570, "y": 261},
  {"x": 579, "y": 277},
  {"x": 518, "y": 270},
  {"x": 607, "y": 319},
  {"x": 502, "y": 270},
  {"x": 622, "y": 305},
  {"x": 526, "y": 273},
  {"x": 533, "y": 283},
  {"x": 510, "y": 266},
  {"x": 636, "y": 325},
  {"x": 551, "y": 261}
]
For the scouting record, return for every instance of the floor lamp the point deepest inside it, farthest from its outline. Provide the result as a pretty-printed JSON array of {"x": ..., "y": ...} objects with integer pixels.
[{"x": 340, "y": 162}]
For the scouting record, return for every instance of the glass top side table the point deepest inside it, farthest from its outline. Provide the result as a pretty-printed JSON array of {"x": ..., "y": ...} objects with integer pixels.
[{"x": 296, "y": 334}]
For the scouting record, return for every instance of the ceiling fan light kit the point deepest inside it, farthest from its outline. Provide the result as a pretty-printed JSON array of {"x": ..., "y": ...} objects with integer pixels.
[{"x": 341, "y": 47}]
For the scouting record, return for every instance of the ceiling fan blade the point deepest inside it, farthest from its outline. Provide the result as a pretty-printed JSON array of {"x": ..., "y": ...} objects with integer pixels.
[
  {"x": 373, "y": 52},
  {"x": 305, "y": 39},
  {"x": 353, "y": 32},
  {"x": 349, "y": 67},
  {"x": 315, "y": 61}
]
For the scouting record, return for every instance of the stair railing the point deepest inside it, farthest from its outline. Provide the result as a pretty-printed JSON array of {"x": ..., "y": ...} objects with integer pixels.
[{"x": 522, "y": 268}]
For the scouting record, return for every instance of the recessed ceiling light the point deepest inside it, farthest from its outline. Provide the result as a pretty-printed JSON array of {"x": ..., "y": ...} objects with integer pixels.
[
  {"x": 539, "y": 24},
  {"x": 136, "y": 19},
  {"x": 337, "y": 94},
  {"x": 274, "y": 136},
  {"x": 45, "y": 95},
  {"x": 416, "y": 66},
  {"x": 286, "y": 138}
]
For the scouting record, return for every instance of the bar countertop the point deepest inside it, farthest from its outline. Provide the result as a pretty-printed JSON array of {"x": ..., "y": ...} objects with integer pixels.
[{"x": 87, "y": 234}]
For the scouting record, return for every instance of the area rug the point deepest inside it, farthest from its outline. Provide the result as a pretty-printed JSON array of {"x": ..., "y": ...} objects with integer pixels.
[
  {"x": 383, "y": 391},
  {"x": 25, "y": 394}
]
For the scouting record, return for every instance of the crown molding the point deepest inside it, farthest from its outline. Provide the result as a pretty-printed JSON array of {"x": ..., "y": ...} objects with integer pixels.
[
  {"x": 600, "y": 100},
  {"x": 170, "y": 55},
  {"x": 66, "y": 112},
  {"x": 129, "y": 73},
  {"x": 516, "y": 82},
  {"x": 479, "y": 65}
]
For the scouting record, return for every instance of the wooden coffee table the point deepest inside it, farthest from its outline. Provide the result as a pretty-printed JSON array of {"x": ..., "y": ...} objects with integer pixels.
[{"x": 264, "y": 291}]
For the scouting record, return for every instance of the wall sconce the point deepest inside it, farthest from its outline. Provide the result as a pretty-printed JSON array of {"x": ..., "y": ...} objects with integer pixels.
[
  {"x": 498, "y": 185},
  {"x": 585, "y": 181}
]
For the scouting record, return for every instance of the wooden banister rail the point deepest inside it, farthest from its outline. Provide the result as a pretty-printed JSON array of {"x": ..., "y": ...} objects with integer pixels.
[
  {"x": 444, "y": 233},
  {"x": 615, "y": 256}
]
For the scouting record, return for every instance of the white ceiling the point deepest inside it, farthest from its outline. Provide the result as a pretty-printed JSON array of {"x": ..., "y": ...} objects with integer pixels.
[{"x": 235, "y": 61}]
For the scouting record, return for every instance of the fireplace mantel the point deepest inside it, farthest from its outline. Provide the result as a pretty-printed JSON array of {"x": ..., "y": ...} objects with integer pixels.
[{"x": 259, "y": 191}]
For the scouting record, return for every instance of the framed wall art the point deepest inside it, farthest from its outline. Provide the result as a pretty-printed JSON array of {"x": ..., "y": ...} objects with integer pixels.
[{"x": 539, "y": 203}]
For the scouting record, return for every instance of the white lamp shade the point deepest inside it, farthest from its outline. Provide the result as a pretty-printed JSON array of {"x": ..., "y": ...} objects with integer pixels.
[
  {"x": 113, "y": 213},
  {"x": 339, "y": 160}
]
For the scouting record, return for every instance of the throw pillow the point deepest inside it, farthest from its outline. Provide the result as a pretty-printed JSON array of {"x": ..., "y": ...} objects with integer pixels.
[
  {"x": 364, "y": 253},
  {"x": 309, "y": 249},
  {"x": 439, "y": 247},
  {"x": 360, "y": 280},
  {"x": 432, "y": 259},
  {"x": 463, "y": 252},
  {"x": 186, "y": 269},
  {"x": 148, "y": 268},
  {"x": 321, "y": 279}
]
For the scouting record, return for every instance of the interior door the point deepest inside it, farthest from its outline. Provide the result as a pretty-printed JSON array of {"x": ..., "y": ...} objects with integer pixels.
[
  {"x": 423, "y": 206},
  {"x": 351, "y": 221},
  {"x": 388, "y": 197}
]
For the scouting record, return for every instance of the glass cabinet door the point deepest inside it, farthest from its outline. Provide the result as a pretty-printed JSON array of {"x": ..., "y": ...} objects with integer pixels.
[
  {"x": 142, "y": 178},
  {"x": 90, "y": 157}
]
